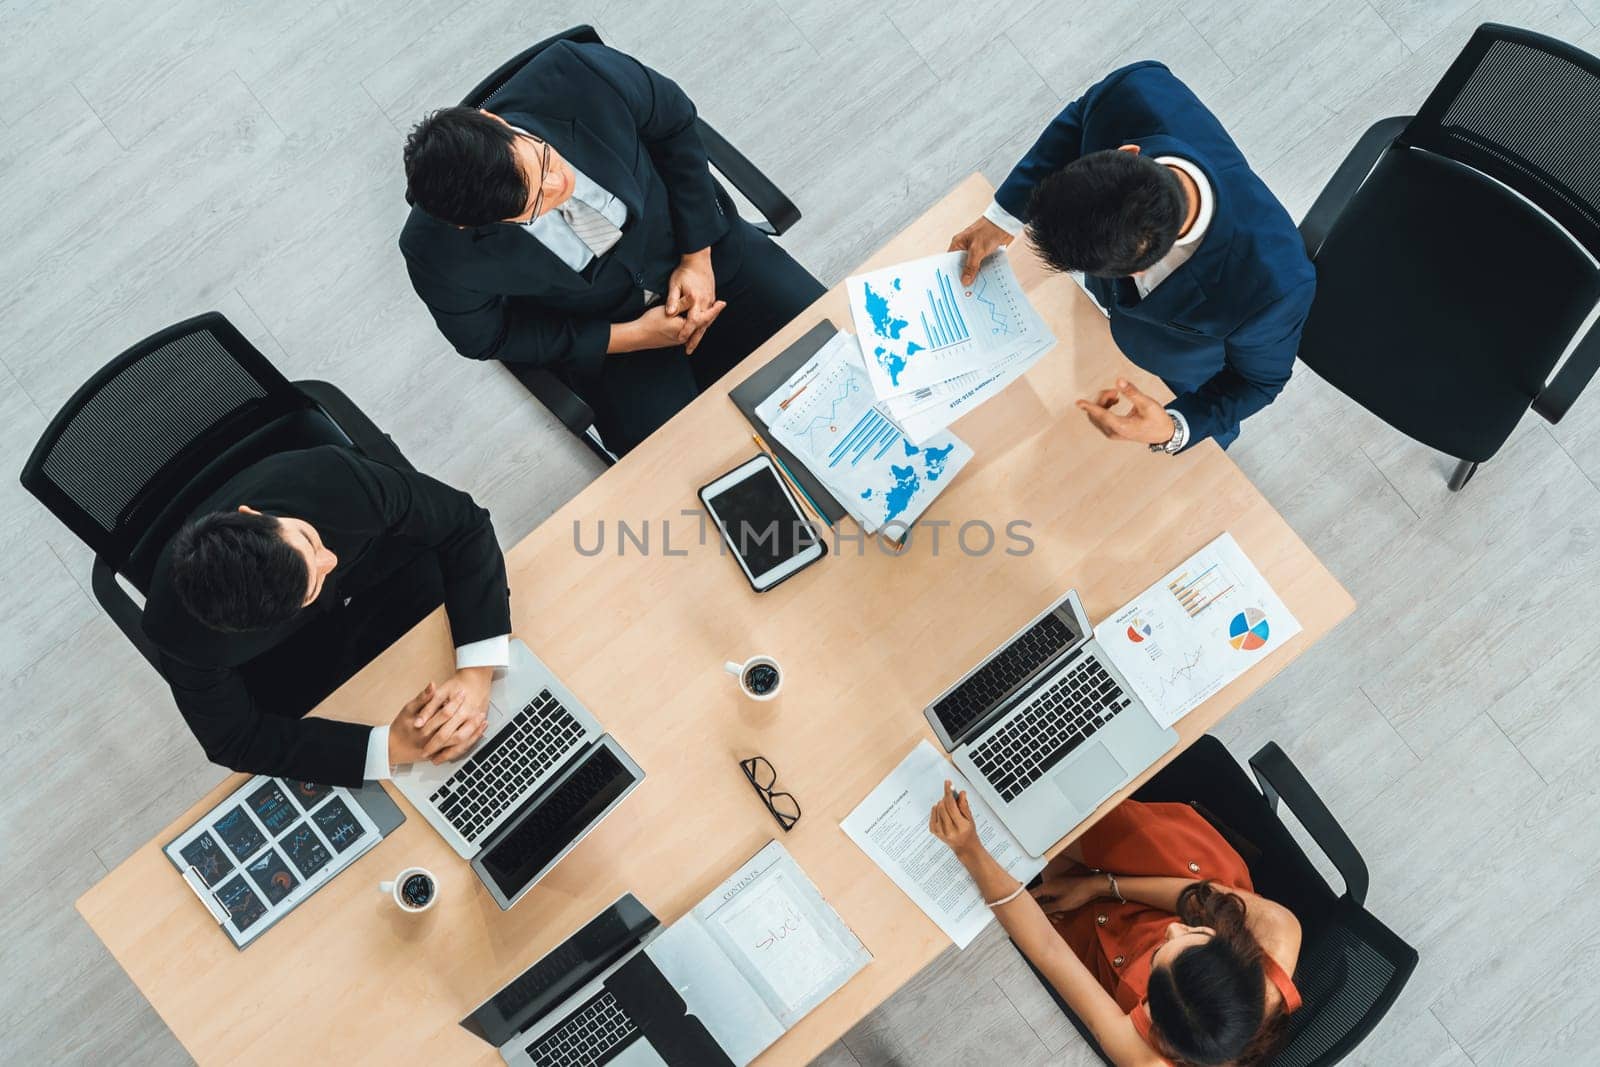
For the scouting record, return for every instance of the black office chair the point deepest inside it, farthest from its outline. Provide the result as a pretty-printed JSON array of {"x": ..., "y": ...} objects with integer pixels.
[
  {"x": 162, "y": 426},
  {"x": 1453, "y": 250},
  {"x": 1351, "y": 967},
  {"x": 777, "y": 210}
]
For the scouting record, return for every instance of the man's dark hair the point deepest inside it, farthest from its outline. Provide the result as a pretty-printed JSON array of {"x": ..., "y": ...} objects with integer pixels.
[
  {"x": 234, "y": 571},
  {"x": 1109, "y": 214},
  {"x": 460, "y": 168}
]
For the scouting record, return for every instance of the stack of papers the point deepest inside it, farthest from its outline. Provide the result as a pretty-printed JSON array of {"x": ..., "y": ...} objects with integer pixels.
[
  {"x": 824, "y": 414},
  {"x": 936, "y": 349},
  {"x": 1206, "y": 622},
  {"x": 891, "y": 827}
]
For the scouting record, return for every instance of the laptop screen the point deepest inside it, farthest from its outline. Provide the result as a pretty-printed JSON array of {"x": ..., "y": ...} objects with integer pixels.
[
  {"x": 568, "y": 967},
  {"x": 520, "y": 852}
]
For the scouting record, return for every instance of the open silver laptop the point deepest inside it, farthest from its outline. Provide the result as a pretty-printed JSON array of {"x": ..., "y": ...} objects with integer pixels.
[
  {"x": 627, "y": 992},
  {"x": 542, "y": 776},
  {"x": 1046, "y": 728}
]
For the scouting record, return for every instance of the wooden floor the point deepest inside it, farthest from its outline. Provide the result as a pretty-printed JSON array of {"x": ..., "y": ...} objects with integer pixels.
[{"x": 158, "y": 160}]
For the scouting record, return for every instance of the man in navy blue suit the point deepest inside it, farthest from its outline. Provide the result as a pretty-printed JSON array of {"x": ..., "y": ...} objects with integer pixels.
[
  {"x": 576, "y": 226},
  {"x": 1137, "y": 187}
]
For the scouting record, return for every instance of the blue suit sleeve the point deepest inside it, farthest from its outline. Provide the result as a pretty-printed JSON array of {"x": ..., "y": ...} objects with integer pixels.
[
  {"x": 665, "y": 118},
  {"x": 1257, "y": 364},
  {"x": 1059, "y": 144}
]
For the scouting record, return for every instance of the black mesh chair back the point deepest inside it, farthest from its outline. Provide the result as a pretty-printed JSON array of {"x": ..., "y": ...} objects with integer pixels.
[
  {"x": 1524, "y": 109},
  {"x": 484, "y": 91},
  {"x": 1440, "y": 328},
  {"x": 154, "y": 428},
  {"x": 1351, "y": 966}
]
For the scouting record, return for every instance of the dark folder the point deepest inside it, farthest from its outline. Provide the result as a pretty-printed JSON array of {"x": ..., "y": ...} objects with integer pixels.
[{"x": 760, "y": 385}]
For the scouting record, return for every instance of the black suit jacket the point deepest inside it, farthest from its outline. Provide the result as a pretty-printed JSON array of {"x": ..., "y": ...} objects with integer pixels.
[
  {"x": 377, "y": 520},
  {"x": 497, "y": 293}
]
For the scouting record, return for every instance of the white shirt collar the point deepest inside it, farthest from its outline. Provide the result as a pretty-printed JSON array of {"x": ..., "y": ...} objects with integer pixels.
[
  {"x": 1207, "y": 200},
  {"x": 1186, "y": 246}
]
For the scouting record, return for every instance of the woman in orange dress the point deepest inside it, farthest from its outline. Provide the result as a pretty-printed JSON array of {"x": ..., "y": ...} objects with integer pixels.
[{"x": 1147, "y": 927}]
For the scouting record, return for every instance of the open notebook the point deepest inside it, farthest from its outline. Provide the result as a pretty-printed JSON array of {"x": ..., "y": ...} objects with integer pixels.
[{"x": 786, "y": 942}]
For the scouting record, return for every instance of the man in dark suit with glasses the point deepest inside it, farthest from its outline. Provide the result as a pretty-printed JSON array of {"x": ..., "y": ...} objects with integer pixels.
[{"x": 576, "y": 226}]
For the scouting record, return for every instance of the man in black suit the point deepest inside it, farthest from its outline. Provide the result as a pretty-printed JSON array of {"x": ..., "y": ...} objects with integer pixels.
[
  {"x": 291, "y": 577},
  {"x": 577, "y": 227}
]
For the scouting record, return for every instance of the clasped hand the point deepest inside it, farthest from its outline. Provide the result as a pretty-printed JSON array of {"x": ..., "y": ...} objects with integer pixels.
[
  {"x": 692, "y": 298},
  {"x": 443, "y": 721}
]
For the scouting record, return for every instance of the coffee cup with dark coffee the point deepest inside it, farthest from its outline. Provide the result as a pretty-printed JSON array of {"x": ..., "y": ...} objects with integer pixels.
[
  {"x": 414, "y": 889},
  {"x": 760, "y": 677}
]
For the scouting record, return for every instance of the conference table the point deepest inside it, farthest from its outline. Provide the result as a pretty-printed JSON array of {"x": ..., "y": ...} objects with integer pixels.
[{"x": 866, "y": 638}]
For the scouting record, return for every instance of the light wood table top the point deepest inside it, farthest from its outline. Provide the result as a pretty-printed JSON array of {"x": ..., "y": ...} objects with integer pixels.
[{"x": 641, "y": 639}]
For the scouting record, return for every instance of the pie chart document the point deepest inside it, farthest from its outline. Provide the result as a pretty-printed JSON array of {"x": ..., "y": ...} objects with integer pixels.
[{"x": 1206, "y": 622}]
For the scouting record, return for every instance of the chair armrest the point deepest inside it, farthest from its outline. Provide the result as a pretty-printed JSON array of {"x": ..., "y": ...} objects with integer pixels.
[
  {"x": 362, "y": 431},
  {"x": 1280, "y": 778},
  {"x": 776, "y": 208},
  {"x": 1347, "y": 179},
  {"x": 1559, "y": 392},
  {"x": 557, "y": 397},
  {"x": 123, "y": 611}
]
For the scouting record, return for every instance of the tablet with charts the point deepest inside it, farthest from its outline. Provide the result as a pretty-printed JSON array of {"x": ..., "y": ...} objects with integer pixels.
[{"x": 273, "y": 842}]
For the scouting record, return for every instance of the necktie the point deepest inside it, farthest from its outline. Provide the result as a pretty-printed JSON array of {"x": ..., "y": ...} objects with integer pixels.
[{"x": 592, "y": 228}]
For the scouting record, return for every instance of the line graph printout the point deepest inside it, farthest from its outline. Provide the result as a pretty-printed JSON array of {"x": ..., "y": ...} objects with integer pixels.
[
  {"x": 1205, "y": 623},
  {"x": 919, "y": 326},
  {"x": 825, "y": 415}
]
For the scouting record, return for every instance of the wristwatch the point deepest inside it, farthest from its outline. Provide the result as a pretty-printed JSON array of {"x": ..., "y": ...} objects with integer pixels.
[{"x": 1179, "y": 438}]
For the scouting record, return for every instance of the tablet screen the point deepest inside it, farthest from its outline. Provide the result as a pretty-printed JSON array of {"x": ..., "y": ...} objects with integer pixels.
[{"x": 760, "y": 523}]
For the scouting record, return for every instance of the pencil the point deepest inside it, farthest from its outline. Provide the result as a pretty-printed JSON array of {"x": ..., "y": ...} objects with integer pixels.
[{"x": 794, "y": 483}]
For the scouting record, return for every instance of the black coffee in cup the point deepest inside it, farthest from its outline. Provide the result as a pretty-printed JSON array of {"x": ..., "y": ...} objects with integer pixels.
[
  {"x": 761, "y": 679},
  {"x": 417, "y": 891}
]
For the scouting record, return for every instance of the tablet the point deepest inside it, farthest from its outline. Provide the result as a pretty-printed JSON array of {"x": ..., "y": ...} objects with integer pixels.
[{"x": 762, "y": 523}]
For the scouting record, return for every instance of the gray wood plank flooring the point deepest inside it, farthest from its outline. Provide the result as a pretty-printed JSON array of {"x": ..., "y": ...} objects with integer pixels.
[{"x": 160, "y": 160}]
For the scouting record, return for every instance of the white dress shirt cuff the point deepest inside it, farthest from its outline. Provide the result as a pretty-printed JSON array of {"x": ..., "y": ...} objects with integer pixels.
[
  {"x": 1003, "y": 218},
  {"x": 1180, "y": 436},
  {"x": 377, "y": 755},
  {"x": 490, "y": 652}
]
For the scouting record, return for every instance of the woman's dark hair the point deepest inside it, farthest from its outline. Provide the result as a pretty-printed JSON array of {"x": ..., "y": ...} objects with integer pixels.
[
  {"x": 234, "y": 571},
  {"x": 460, "y": 168},
  {"x": 1209, "y": 1005},
  {"x": 1109, "y": 214}
]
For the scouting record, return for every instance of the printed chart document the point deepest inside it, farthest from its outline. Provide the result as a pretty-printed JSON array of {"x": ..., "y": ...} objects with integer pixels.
[
  {"x": 773, "y": 925},
  {"x": 825, "y": 414},
  {"x": 891, "y": 827},
  {"x": 1206, "y": 622},
  {"x": 920, "y": 327}
]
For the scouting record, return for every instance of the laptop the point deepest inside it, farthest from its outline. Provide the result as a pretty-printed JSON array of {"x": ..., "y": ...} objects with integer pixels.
[
  {"x": 628, "y": 992},
  {"x": 1045, "y": 728},
  {"x": 542, "y": 776}
]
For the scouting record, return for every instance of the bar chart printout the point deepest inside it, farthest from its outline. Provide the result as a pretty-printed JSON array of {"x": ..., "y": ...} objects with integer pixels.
[
  {"x": 834, "y": 428},
  {"x": 1210, "y": 619},
  {"x": 920, "y": 327}
]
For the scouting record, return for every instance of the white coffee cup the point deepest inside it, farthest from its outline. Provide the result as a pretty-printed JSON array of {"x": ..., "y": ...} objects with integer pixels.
[
  {"x": 765, "y": 684},
  {"x": 404, "y": 897}
]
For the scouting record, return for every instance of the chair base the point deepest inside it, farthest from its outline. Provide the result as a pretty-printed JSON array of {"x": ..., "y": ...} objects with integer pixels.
[{"x": 1462, "y": 475}]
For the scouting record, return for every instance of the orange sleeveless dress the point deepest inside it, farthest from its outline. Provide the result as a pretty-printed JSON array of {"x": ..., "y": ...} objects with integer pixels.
[{"x": 1116, "y": 941}]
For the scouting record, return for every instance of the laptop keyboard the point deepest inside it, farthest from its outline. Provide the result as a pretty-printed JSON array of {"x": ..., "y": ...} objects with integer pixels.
[
  {"x": 500, "y": 772},
  {"x": 1042, "y": 732},
  {"x": 592, "y": 1035},
  {"x": 1001, "y": 676}
]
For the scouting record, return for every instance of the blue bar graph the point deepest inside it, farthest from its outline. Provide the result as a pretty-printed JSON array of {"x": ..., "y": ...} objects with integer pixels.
[
  {"x": 868, "y": 439},
  {"x": 943, "y": 323}
]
